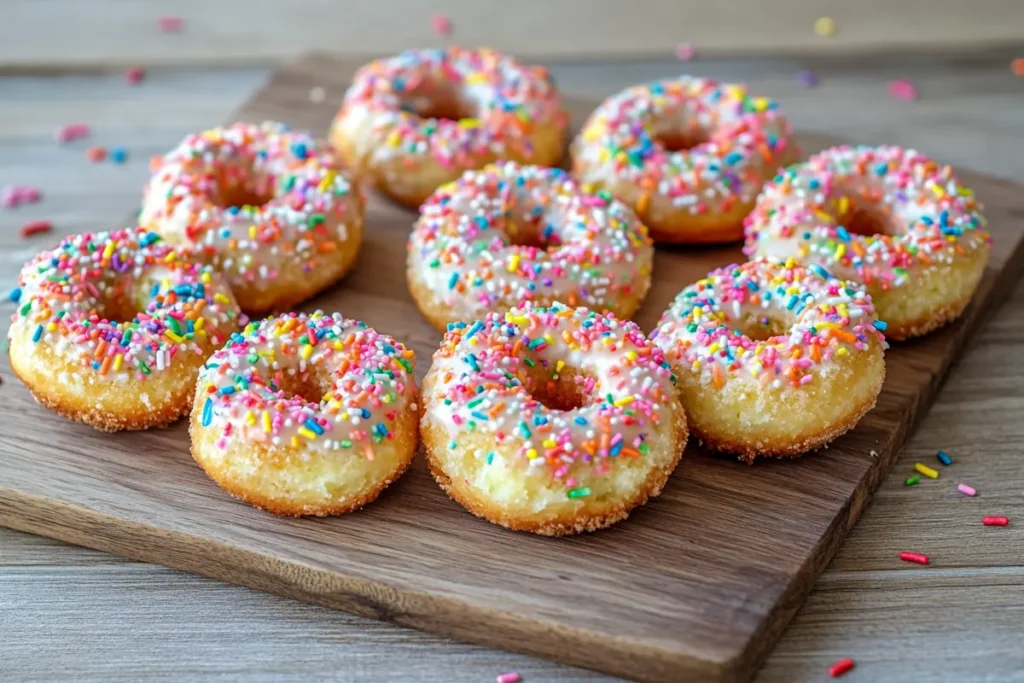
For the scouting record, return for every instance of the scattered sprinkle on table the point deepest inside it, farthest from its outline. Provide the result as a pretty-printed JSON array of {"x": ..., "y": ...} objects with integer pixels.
[
  {"x": 1017, "y": 66},
  {"x": 944, "y": 458},
  {"x": 510, "y": 677},
  {"x": 35, "y": 228},
  {"x": 685, "y": 52},
  {"x": 926, "y": 471},
  {"x": 118, "y": 155},
  {"x": 919, "y": 558},
  {"x": 135, "y": 75},
  {"x": 966, "y": 490},
  {"x": 808, "y": 79},
  {"x": 995, "y": 520},
  {"x": 12, "y": 196},
  {"x": 912, "y": 481},
  {"x": 840, "y": 667},
  {"x": 825, "y": 26},
  {"x": 168, "y": 24},
  {"x": 441, "y": 24},
  {"x": 902, "y": 90},
  {"x": 96, "y": 153},
  {"x": 72, "y": 131},
  {"x": 316, "y": 95}
]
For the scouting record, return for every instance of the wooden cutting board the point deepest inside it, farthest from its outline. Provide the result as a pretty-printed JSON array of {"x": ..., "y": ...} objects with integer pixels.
[{"x": 697, "y": 585}]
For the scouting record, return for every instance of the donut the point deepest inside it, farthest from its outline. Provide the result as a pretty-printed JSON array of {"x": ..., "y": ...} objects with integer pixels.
[
  {"x": 269, "y": 207},
  {"x": 688, "y": 154},
  {"x": 887, "y": 217},
  {"x": 773, "y": 358},
  {"x": 510, "y": 233},
  {"x": 112, "y": 327},
  {"x": 306, "y": 414},
  {"x": 551, "y": 420},
  {"x": 413, "y": 122}
]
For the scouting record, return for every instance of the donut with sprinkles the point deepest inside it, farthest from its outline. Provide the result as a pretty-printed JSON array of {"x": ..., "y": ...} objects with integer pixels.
[
  {"x": 416, "y": 121},
  {"x": 688, "y": 154},
  {"x": 773, "y": 358},
  {"x": 510, "y": 233},
  {"x": 269, "y": 207},
  {"x": 112, "y": 327},
  {"x": 551, "y": 420},
  {"x": 888, "y": 217},
  {"x": 306, "y": 414}
]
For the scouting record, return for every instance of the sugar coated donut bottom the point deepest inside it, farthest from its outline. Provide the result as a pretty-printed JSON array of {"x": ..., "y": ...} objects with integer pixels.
[
  {"x": 888, "y": 217},
  {"x": 773, "y": 359},
  {"x": 111, "y": 328},
  {"x": 269, "y": 207},
  {"x": 306, "y": 414},
  {"x": 550, "y": 420},
  {"x": 689, "y": 155},
  {"x": 413, "y": 122},
  {"x": 509, "y": 233}
]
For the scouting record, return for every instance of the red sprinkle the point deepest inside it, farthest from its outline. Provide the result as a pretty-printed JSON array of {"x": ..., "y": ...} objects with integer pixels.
[
  {"x": 96, "y": 153},
  {"x": 441, "y": 24},
  {"x": 135, "y": 75},
  {"x": 170, "y": 24},
  {"x": 903, "y": 90},
  {"x": 919, "y": 558},
  {"x": 72, "y": 131},
  {"x": 840, "y": 667},
  {"x": 995, "y": 520},
  {"x": 35, "y": 228}
]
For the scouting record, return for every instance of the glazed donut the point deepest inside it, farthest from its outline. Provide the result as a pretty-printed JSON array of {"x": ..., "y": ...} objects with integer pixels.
[
  {"x": 888, "y": 217},
  {"x": 688, "y": 154},
  {"x": 511, "y": 233},
  {"x": 306, "y": 414},
  {"x": 69, "y": 348},
  {"x": 550, "y": 420},
  {"x": 773, "y": 358},
  {"x": 416, "y": 121},
  {"x": 269, "y": 207}
]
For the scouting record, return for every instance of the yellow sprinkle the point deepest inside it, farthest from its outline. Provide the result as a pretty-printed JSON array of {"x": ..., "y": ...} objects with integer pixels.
[
  {"x": 532, "y": 454},
  {"x": 307, "y": 433},
  {"x": 475, "y": 78},
  {"x": 266, "y": 422},
  {"x": 252, "y": 232},
  {"x": 199, "y": 324},
  {"x": 328, "y": 180},
  {"x": 170, "y": 257},
  {"x": 631, "y": 355},
  {"x": 840, "y": 250},
  {"x": 549, "y": 443},
  {"x": 118, "y": 359},
  {"x": 624, "y": 401},
  {"x": 307, "y": 351},
  {"x": 52, "y": 327},
  {"x": 108, "y": 250},
  {"x": 926, "y": 471},
  {"x": 250, "y": 417},
  {"x": 513, "y": 263},
  {"x": 469, "y": 123},
  {"x": 844, "y": 205},
  {"x": 559, "y": 365},
  {"x": 173, "y": 337},
  {"x": 761, "y": 104},
  {"x": 221, "y": 299},
  {"x": 825, "y": 26},
  {"x": 395, "y": 139},
  {"x": 205, "y": 277},
  {"x": 295, "y": 442},
  {"x": 842, "y": 351}
]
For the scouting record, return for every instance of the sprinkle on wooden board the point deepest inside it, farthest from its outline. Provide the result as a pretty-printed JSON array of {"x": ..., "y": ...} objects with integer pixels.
[
  {"x": 510, "y": 677},
  {"x": 966, "y": 490},
  {"x": 840, "y": 667},
  {"x": 825, "y": 26},
  {"x": 170, "y": 24},
  {"x": 912, "y": 481},
  {"x": 917, "y": 558},
  {"x": 926, "y": 471},
  {"x": 902, "y": 89},
  {"x": 943, "y": 457},
  {"x": 135, "y": 75},
  {"x": 995, "y": 520}
]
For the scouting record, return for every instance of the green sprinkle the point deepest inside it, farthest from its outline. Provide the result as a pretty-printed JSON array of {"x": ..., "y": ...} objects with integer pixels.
[
  {"x": 579, "y": 493},
  {"x": 145, "y": 368},
  {"x": 345, "y": 443},
  {"x": 912, "y": 481}
]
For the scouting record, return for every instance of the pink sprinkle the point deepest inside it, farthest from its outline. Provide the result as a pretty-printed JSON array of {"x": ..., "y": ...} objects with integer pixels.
[
  {"x": 135, "y": 75},
  {"x": 72, "y": 131},
  {"x": 510, "y": 677},
  {"x": 995, "y": 520},
  {"x": 903, "y": 90},
  {"x": 685, "y": 52},
  {"x": 441, "y": 24},
  {"x": 966, "y": 490},
  {"x": 919, "y": 558},
  {"x": 12, "y": 196},
  {"x": 170, "y": 24}
]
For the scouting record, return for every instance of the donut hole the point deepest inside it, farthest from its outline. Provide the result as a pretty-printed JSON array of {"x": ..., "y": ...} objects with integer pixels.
[
  {"x": 682, "y": 140},
  {"x": 762, "y": 326},
  {"x": 527, "y": 233},
  {"x": 442, "y": 104},
  {"x": 309, "y": 386},
  {"x": 867, "y": 220},
  {"x": 562, "y": 390},
  {"x": 239, "y": 194}
]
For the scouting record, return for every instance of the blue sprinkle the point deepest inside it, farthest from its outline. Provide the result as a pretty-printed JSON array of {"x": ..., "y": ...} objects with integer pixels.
[
  {"x": 880, "y": 325},
  {"x": 844, "y": 235},
  {"x": 752, "y": 286},
  {"x": 15, "y": 294},
  {"x": 581, "y": 421},
  {"x": 226, "y": 391},
  {"x": 820, "y": 271},
  {"x": 490, "y": 457},
  {"x": 299, "y": 150},
  {"x": 381, "y": 429},
  {"x": 524, "y": 430},
  {"x": 149, "y": 238},
  {"x": 118, "y": 155},
  {"x": 313, "y": 426},
  {"x": 480, "y": 416},
  {"x": 791, "y": 304},
  {"x": 944, "y": 458},
  {"x": 366, "y": 414},
  {"x": 38, "y": 334},
  {"x": 477, "y": 326},
  {"x": 453, "y": 280},
  {"x": 207, "y": 412}
]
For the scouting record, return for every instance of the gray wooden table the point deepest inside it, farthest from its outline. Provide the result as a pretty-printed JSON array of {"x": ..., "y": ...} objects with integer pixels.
[{"x": 69, "y": 613}]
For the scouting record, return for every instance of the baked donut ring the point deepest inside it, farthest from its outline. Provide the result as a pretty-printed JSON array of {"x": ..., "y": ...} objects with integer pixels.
[
  {"x": 550, "y": 420},
  {"x": 888, "y": 217},
  {"x": 688, "y": 154},
  {"x": 306, "y": 414},
  {"x": 773, "y": 358},
  {"x": 111, "y": 328},
  {"x": 510, "y": 233},
  {"x": 267, "y": 206},
  {"x": 416, "y": 121}
]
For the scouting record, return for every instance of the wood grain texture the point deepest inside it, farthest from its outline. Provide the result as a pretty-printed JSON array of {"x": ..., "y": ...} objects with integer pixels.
[
  {"x": 90, "y": 33},
  {"x": 71, "y": 612},
  {"x": 701, "y": 581}
]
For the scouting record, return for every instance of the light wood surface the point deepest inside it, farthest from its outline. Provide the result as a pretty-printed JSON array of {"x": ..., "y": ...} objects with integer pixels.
[
  {"x": 866, "y": 592},
  {"x": 90, "y": 33}
]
